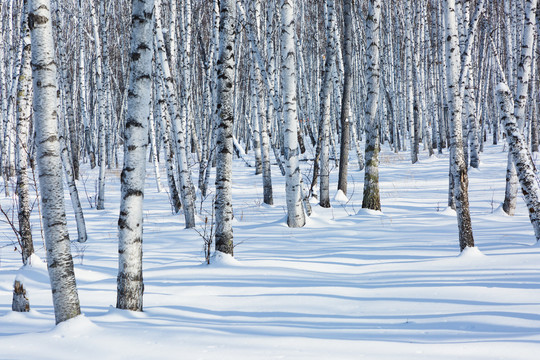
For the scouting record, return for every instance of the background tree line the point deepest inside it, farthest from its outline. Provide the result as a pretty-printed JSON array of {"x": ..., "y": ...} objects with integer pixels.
[{"x": 288, "y": 80}]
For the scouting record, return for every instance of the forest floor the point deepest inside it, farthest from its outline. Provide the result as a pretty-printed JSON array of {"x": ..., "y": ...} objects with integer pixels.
[{"x": 351, "y": 284}]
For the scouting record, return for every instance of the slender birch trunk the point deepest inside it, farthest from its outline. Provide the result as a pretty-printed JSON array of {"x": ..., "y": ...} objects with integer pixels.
[
  {"x": 188, "y": 198},
  {"x": 324, "y": 127},
  {"x": 130, "y": 222},
  {"x": 521, "y": 157},
  {"x": 346, "y": 99},
  {"x": 371, "y": 199},
  {"x": 458, "y": 167},
  {"x": 59, "y": 260},
  {"x": 24, "y": 113},
  {"x": 153, "y": 142},
  {"x": 165, "y": 136},
  {"x": 82, "y": 85},
  {"x": 101, "y": 95},
  {"x": 520, "y": 100}
]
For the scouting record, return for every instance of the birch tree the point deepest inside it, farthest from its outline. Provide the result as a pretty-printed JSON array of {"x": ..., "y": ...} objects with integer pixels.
[
  {"x": 186, "y": 187},
  {"x": 521, "y": 157},
  {"x": 458, "y": 168},
  {"x": 130, "y": 222},
  {"x": 24, "y": 113},
  {"x": 59, "y": 260},
  {"x": 513, "y": 119},
  {"x": 100, "y": 205},
  {"x": 224, "y": 137},
  {"x": 293, "y": 192},
  {"x": 324, "y": 127},
  {"x": 371, "y": 199},
  {"x": 346, "y": 98}
]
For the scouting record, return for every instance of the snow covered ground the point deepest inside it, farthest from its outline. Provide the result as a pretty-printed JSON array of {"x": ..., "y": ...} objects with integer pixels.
[{"x": 352, "y": 284}]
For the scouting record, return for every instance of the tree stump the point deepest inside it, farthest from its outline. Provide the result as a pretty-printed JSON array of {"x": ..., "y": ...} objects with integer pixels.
[{"x": 20, "y": 301}]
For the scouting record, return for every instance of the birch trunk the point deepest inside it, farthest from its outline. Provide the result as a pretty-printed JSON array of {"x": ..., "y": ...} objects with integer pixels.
[
  {"x": 73, "y": 192},
  {"x": 24, "y": 113},
  {"x": 100, "y": 205},
  {"x": 82, "y": 85},
  {"x": 153, "y": 142},
  {"x": 130, "y": 222},
  {"x": 225, "y": 119},
  {"x": 520, "y": 100},
  {"x": 167, "y": 146},
  {"x": 346, "y": 99},
  {"x": 324, "y": 128},
  {"x": 293, "y": 191},
  {"x": 521, "y": 157},
  {"x": 59, "y": 260},
  {"x": 458, "y": 168},
  {"x": 186, "y": 186},
  {"x": 371, "y": 198}
]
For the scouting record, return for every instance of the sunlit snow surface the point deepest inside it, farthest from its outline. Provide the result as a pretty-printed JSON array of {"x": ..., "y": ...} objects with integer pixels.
[{"x": 351, "y": 284}]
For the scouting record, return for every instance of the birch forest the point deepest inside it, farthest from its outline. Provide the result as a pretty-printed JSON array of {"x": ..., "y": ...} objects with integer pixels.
[{"x": 301, "y": 93}]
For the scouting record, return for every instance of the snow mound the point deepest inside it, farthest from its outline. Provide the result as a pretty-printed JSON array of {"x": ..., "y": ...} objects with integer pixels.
[
  {"x": 220, "y": 259},
  {"x": 341, "y": 197},
  {"x": 37, "y": 263},
  {"x": 75, "y": 327},
  {"x": 500, "y": 211},
  {"x": 448, "y": 211},
  {"x": 370, "y": 212},
  {"x": 471, "y": 252}
]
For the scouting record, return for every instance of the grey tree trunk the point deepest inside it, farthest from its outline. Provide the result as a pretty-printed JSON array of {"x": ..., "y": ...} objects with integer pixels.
[
  {"x": 130, "y": 222},
  {"x": 225, "y": 118},
  {"x": 346, "y": 99},
  {"x": 59, "y": 260}
]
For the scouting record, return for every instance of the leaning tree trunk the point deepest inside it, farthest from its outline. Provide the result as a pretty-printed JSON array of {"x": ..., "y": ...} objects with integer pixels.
[
  {"x": 130, "y": 223},
  {"x": 520, "y": 154},
  {"x": 371, "y": 199},
  {"x": 224, "y": 137},
  {"x": 59, "y": 260}
]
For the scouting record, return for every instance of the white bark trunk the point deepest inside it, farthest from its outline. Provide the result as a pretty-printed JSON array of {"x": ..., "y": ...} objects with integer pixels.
[
  {"x": 59, "y": 260},
  {"x": 295, "y": 212},
  {"x": 458, "y": 168},
  {"x": 225, "y": 119},
  {"x": 130, "y": 222},
  {"x": 521, "y": 157},
  {"x": 371, "y": 199},
  {"x": 24, "y": 113}
]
